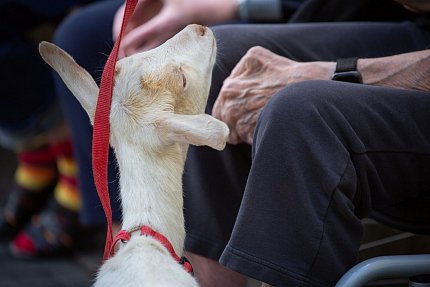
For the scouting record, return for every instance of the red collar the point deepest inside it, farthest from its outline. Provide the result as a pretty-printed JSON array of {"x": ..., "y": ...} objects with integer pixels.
[{"x": 125, "y": 236}]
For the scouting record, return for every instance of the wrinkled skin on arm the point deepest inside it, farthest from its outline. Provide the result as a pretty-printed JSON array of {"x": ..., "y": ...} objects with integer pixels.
[{"x": 261, "y": 73}]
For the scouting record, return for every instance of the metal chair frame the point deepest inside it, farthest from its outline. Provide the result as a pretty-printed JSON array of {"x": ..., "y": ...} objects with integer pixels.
[{"x": 392, "y": 266}]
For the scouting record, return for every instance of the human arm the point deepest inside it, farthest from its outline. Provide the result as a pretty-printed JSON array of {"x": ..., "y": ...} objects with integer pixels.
[
  {"x": 405, "y": 71},
  {"x": 155, "y": 21},
  {"x": 261, "y": 73}
]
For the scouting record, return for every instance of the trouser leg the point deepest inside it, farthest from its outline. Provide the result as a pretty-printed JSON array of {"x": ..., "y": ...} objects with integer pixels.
[{"x": 324, "y": 155}]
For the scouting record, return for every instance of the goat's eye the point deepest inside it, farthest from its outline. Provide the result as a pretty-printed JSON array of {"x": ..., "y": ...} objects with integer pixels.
[{"x": 184, "y": 80}]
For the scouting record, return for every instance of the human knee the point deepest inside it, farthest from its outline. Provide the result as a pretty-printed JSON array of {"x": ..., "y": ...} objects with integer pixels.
[{"x": 296, "y": 103}]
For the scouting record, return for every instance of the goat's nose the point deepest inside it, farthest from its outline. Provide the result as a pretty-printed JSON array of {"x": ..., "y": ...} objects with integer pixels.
[{"x": 201, "y": 30}]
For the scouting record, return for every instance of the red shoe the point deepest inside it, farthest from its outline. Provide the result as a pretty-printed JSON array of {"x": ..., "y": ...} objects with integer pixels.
[{"x": 51, "y": 234}]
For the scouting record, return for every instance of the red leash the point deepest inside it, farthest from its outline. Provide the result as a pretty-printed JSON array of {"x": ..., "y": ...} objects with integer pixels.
[{"x": 101, "y": 129}]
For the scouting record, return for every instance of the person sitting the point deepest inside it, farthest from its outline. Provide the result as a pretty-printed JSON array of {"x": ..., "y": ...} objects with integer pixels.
[{"x": 309, "y": 156}]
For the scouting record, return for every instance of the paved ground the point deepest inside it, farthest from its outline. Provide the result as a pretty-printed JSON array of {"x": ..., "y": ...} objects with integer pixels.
[
  {"x": 79, "y": 270},
  {"x": 43, "y": 273}
]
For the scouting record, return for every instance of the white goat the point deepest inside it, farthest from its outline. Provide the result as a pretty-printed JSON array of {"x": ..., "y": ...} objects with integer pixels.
[{"x": 157, "y": 109}]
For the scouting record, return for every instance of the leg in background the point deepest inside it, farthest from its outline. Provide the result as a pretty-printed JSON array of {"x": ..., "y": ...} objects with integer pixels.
[
  {"x": 87, "y": 37},
  {"x": 55, "y": 230},
  {"x": 35, "y": 179}
]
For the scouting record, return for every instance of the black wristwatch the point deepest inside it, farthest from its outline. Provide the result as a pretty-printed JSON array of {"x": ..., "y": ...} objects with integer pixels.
[{"x": 346, "y": 71}]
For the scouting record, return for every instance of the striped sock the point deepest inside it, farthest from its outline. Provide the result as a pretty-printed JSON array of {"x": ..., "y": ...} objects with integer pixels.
[
  {"x": 66, "y": 192},
  {"x": 36, "y": 169}
]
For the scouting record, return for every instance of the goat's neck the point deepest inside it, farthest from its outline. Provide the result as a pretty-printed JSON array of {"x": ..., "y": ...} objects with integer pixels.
[{"x": 151, "y": 190}]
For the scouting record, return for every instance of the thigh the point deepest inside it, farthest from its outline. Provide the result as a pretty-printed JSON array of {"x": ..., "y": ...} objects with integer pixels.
[
  {"x": 26, "y": 82},
  {"x": 385, "y": 132},
  {"x": 320, "y": 41}
]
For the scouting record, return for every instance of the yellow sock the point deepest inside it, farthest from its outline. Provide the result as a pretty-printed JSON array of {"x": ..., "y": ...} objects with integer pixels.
[
  {"x": 36, "y": 168},
  {"x": 66, "y": 192}
]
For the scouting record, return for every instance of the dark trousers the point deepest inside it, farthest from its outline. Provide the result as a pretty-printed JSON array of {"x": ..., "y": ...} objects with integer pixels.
[
  {"x": 28, "y": 107},
  {"x": 325, "y": 154}
]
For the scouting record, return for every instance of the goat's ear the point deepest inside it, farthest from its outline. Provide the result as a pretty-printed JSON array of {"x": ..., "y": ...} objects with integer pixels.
[
  {"x": 76, "y": 78},
  {"x": 194, "y": 129}
]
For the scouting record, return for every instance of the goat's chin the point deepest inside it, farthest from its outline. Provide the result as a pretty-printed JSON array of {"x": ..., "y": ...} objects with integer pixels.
[{"x": 143, "y": 263}]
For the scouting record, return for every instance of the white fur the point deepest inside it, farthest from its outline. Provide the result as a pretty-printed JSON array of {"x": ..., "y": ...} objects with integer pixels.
[{"x": 153, "y": 119}]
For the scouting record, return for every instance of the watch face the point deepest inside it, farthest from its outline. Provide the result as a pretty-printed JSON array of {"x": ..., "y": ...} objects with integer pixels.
[{"x": 350, "y": 77}]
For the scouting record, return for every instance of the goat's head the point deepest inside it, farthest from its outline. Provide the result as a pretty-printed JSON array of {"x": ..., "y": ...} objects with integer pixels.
[{"x": 158, "y": 96}]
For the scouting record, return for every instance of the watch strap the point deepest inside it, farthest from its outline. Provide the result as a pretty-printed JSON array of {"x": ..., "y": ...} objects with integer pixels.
[
  {"x": 346, "y": 71},
  {"x": 346, "y": 65}
]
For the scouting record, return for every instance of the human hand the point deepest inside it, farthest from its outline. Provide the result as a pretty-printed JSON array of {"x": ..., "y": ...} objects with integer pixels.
[
  {"x": 144, "y": 11},
  {"x": 155, "y": 21},
  {"x": 417, "y": 6},
  {"x": 254, "y": 80}
]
